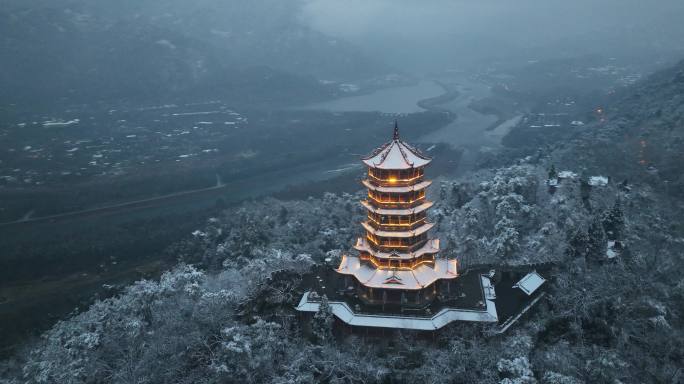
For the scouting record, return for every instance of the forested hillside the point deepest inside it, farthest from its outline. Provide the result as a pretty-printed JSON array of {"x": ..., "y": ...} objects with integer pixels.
[{"x": 639, "y": 136}]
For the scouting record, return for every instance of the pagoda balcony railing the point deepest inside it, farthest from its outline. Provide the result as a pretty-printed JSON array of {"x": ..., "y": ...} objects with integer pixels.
[
  {"x": 394, "y": 182},
  {"x": 401, "y": 204},
  {"x": 398, "y": 264},
  {"x": 397, "y": 220},
  {"x": 397, "y": 227},
  {"x": 395, "y": 247}
]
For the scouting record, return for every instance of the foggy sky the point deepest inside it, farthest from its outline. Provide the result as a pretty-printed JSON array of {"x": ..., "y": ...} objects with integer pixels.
[{"x": 434, "y": 34}]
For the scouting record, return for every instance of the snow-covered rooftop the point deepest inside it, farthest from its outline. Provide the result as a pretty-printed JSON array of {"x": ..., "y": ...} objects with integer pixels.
[
  {"x": 530, "y": 283},
  {"x": 598, "y": 181},
  {"x": 389, "y": 211},
  {"x": 414, "y": 279},
  {"x": 431, "y": 246},
  {"x": 567, "y": 175},
  {"x": 447, "y": 315},
  {"x": 614, "y": 248},
  {"x": 396, "y": 154},
  {"x": 410, "y": 233},
  {"x": 410, "y": 188}
]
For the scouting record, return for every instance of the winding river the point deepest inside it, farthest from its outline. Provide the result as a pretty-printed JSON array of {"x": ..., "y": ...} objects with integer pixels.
[
  {"x": 470, "y": 129},
  {"x": 389, "y": 100}
]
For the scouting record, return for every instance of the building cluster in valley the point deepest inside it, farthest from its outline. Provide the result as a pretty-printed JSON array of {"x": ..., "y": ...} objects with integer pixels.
[{"x": 50, "y": 151}]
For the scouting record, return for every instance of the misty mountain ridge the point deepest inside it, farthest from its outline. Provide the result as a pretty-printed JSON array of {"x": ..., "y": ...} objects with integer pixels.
[
  {"x": 638, "y": 136},
  {"x": 150, "y": 49}
]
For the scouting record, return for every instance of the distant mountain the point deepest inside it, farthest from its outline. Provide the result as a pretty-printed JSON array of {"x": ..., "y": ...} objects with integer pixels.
[
  {"x": 85, "y": 50},
  {"x": 638, "y": 136}
]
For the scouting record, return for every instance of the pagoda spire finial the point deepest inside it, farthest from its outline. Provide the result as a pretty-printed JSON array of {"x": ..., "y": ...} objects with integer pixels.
[{"x": 396, "y": 131}]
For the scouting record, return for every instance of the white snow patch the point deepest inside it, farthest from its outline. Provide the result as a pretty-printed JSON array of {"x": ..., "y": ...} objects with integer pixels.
[
  {"x": 60, "y": 123},
  {"x": 349, "y": 88},
  {"x": 195, "y": 113},
  {"x": 598, "y": 181},
  {"x": 613, "y": 249},
  {"x": 567, "y": 175},
  {"x": 166, "y": 43}
]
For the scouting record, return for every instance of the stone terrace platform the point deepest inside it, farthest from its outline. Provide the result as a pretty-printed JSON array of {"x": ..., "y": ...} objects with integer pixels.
[{"x": 474, "y": 297}]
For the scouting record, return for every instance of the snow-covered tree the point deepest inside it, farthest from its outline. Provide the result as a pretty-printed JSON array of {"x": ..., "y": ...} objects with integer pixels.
[
  {"x": 322, "y": 322},
  {"x": 597, "y": 243},
  {"x": 614, "y": 221},
  {"x": 507, "y": 239}
]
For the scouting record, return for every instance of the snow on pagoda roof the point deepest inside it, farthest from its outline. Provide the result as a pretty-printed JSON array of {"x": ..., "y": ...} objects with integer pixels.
[
  {"x": 530, "y": 283},
  {"x": 447, "y": 315},
  {"x": 396, "y": 154},
  {"x": 431, "y": 246},
  {"x": 389, "y": 211},
  {"x": 410, "y": 188},
  {"x": 413, "y": 279},
  {"x": 409, "y": 233}
]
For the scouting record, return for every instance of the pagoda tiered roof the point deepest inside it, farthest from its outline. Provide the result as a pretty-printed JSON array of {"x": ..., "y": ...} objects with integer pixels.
[
  {"x": 405, "y": 279},
  {"x": 396, "y": 155},
  {"x": 406, "y": 233},
  {"x": 409, "y": 188},
  {"x": 430, "y": 247},
  {"x": 394, "y": 211}
]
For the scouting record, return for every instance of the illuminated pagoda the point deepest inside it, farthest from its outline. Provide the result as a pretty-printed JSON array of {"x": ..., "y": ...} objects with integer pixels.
[
  {"x": 397, "y": 260},
  {"x": 396, "y": 278}
]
